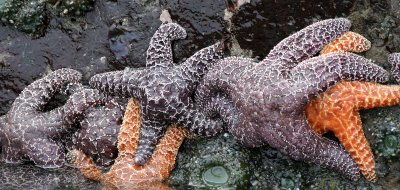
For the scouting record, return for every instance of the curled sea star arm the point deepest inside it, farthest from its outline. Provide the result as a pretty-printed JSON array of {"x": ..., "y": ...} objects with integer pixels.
[
  {"x": 196, "y": 65},
  {"x": 317, "y": 74},
  {"x": 201, "y": 124},
  {"x": 38, "y": 93},
  {"x": 25, "y": 125},
  {"x": 159, "y": 52},
  {"x": 79, "y": 102},
  {"x": 306, "y": 43},
  {"x": 222, "y": 106},
  {"x": 120, "y": 83},
  {"x": 215, "y": 82}
]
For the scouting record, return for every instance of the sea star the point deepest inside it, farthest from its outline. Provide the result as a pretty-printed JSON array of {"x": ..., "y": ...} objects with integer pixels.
[
  {"x": 28, "y": 133},
  {"x": 124, "y": 173},
  {"x": 263, "y": 103},
  {"x": 98, "y": 132},
  {"x": 349, "y": 41},
  {"x": 164, "y": 89},
  {"x": 336, "y": 110}
]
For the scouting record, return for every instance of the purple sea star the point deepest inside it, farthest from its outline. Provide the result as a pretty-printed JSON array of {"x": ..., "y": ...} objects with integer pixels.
[
  {"x": 263, "y": 103},
  {"x": 28, "y": 133},
  {"x": 164, "y": 89},
  {"x": 98, "y": 132}
]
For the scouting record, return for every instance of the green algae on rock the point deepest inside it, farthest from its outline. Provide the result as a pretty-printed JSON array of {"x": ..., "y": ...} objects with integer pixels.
[
  {"x": 73, "y": 7},
  {"x": 32, "y": 16},
  {"x": 27, "y": 16}
]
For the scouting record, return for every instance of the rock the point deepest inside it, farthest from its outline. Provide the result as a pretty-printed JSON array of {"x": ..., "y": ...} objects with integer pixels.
[{"x": 221, "y": 155}]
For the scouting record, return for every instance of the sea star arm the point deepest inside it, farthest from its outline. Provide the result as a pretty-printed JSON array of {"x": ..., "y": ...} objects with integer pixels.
[
  {"x": 196, "y": 66},
  {"x": 215, "y": 82},
  {"x": 222, "y": 106},
  {"x": 300, "y": 143},
  {"x": 306, "y": 43},
  {"x": 336, "y": 110},
  {"x": 317, "y": 74},
  {"x": 150, "y": 133},
  {"x": 394, "y": 62},
  {"x": 86, "y": 165},
  {"x": 39, "y": 92},
  {"x": 159, "y": 52},
  {"x": 46, "y": 153},
  {"x": 201, "y": 124},
  {"x": 119, "y": 83},
  {"x": 99, "y": 130},
  {"x": 79, "y": 102},
  {"x": 124, "y": 173},
  {"x": 58, "y": 121},
  {"x": 349, "y": 42},
  {"x": 25, "y": 124}
]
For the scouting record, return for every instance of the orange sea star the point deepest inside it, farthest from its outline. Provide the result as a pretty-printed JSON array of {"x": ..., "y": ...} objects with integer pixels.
[
  {"x": 336, "y": 110},
  {"x": 124, "y": 174},
  {"x": 349, "y": 41}
]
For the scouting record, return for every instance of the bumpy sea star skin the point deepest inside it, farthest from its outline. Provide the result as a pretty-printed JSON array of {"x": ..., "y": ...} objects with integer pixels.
[
  {"x": 124, "y": 174},
  {"x": 164, "y": 89},
  {"x": 27, "y": 133},
  {"x": 394, "y": 62},
  {"x": 99, "y": 130},
  {"x": 336, "y": 110},
  {"x": 264, "y": 102},
  {"x": 349, "y": 41},
  {"x": 304, "y": 44}
]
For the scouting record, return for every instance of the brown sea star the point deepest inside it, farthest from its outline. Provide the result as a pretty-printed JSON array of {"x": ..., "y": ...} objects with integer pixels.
[
  {"x": 263, "y": 103},
  {"x": 336, "y": 110},
  {"x": 124, "y": 174}
]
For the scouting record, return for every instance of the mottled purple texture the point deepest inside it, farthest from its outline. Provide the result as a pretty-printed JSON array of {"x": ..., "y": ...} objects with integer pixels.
[
  {"x": 164, "y": 89},
  {"x": 28, "y": 133},
  {"x": 263, "y": 103},
  {"x": 99, "y": 131},
  {"x": 394, "y": 63}
]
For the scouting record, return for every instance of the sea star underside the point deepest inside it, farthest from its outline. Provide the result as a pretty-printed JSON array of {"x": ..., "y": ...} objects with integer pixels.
[
  {"x": 164, "y": 90},
  {"x": 124, "y": 174},
  {"x": 263, "y": 103}
]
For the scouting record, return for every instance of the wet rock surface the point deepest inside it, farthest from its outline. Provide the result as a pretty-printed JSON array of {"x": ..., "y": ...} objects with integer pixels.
[
  {"x": 26, "y": 177},
  {"x": 202, "y": 19},
  {"x": 110, "y": 35},
  {"x": 198, "y": 157},
  {"x": 261, "y": 24}
]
